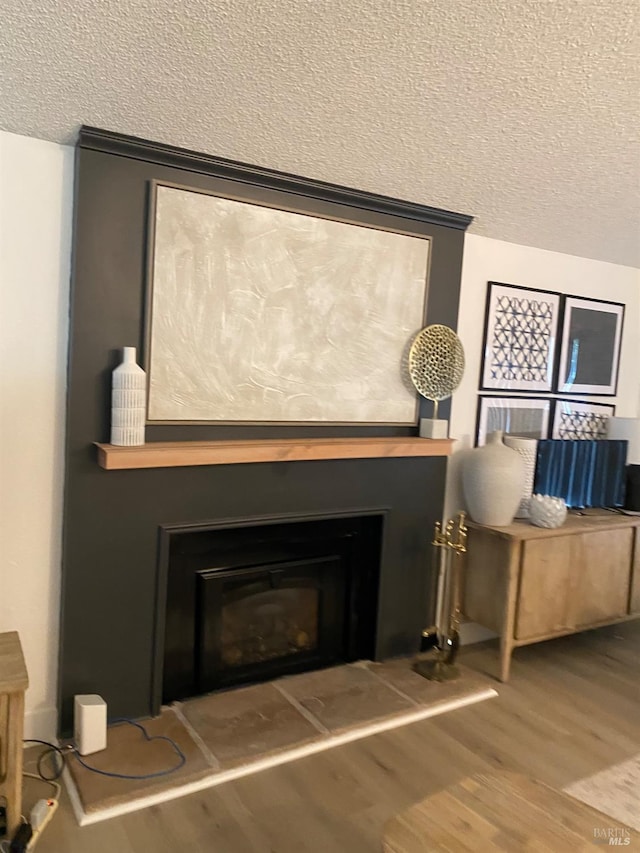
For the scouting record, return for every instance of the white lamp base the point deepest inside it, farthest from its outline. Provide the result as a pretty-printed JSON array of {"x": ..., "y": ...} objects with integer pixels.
[{"x": 434, "y": 428}]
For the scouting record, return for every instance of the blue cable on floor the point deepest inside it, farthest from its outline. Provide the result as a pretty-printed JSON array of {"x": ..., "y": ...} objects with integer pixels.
[{"x": 181, "y": 756}]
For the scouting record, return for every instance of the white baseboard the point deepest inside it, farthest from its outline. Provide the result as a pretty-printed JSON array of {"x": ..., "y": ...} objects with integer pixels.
[
  {"x": 471, "y": 632},
  {"x": 41, "y": 723}
]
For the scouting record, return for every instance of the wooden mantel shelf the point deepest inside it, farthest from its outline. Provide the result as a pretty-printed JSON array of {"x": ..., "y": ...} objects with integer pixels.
[{"x": 176, "y": 454}]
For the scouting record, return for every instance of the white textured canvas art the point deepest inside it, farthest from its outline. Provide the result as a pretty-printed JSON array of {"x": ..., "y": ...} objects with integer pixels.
[{"x": 262, "y": 315}]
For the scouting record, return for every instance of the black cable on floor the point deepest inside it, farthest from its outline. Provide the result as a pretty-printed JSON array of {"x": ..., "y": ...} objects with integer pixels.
[{"x": 52, "y": 750}]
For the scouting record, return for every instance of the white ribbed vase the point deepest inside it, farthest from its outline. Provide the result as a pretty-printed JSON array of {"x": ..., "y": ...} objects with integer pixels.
[
  {"x": 492, "y": 482},
  {"x": 528, "y": 450},
  {"x": 128, "y": 401}
]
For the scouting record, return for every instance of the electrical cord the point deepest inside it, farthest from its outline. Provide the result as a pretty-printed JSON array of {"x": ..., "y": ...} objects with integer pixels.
[
  {"x": 182, "y": 759},
  {"x": 51, "y": 750},
  {"x": 54, "y": 785},
  {"x": 61, "y": 755},
  {"x": 44, "y": 809}
]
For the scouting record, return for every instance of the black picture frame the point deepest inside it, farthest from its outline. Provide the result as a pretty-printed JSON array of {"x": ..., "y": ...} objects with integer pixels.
[
  {"x": 512, "y": 404},
  {"x": 584, "y": 428},
  {"x": 505, "y": 348},
  {"x": 593, "y": 327}
]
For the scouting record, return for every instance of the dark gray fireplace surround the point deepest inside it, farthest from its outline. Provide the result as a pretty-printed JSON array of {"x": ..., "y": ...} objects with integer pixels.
[{"x": 112, "y": 619}]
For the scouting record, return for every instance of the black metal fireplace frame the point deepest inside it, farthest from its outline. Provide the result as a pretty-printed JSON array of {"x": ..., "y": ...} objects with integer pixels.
[{"x": 167, "y": 531}]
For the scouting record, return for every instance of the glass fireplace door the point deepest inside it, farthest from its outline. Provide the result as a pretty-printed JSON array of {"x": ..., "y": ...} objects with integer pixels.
[{"x": 262, "y": 621}]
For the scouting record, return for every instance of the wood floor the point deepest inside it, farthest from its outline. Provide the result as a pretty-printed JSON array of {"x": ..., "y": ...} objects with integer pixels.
[{"x": 572, "y": 708}]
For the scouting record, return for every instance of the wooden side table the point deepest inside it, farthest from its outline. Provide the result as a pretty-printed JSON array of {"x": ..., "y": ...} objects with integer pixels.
[
  {"x": 13, "y": 683},
  {"x": 530, "y": 584}
]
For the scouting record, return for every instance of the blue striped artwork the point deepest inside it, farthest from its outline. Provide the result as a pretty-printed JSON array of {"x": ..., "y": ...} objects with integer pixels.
[{"x": 585, "y": 473}]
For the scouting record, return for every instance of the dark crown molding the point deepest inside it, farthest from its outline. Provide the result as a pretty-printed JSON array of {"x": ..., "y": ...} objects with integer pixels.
[{"x": 95, "y": 139}]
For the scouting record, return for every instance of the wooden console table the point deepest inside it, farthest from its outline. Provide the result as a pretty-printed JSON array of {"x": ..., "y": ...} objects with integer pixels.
[
  {"x": 13, "y": 683},
  {"x": 530, "y": 584}
]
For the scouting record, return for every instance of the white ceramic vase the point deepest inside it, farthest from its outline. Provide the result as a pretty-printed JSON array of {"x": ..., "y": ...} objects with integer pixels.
[
  {"x": 128, "y": 401},
  {"x": 493, "y": 481},
  {"x": 546, "y": 511},
  {"x": 528, "y": 450}
]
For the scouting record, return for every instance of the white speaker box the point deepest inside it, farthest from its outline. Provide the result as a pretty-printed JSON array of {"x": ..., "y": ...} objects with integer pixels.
[{"x": 89, "y": 723}]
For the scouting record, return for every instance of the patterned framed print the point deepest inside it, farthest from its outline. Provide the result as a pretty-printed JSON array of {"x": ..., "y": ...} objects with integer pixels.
[
  {"x": 573, "y": 419},
  {"x": 590, "y": 349},
  {"x": 527, "y": 417},
  {"x": 520, "y": 338}
]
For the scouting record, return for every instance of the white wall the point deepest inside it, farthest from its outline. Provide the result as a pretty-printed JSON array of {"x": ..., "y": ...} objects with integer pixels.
[
  {"x": 36, "y": 184},
  {"x": 493, "y": 260}
]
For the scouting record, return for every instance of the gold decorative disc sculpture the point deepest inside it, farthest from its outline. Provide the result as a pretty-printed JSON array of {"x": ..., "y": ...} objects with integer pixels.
[{"x": 436, "y": 363}]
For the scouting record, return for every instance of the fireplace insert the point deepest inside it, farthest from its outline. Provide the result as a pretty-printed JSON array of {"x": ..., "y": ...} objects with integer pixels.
[{"x": 254, "y": 601}]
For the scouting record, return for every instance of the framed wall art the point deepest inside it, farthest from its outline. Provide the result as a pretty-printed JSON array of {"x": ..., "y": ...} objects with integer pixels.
[
  {"x": 590, "y": 347},
  {"x": 573, "y": 419},
  {"x": 583, "y": 473},
  {"x": 527, "y": 417},
  {"x": 258, "y": 314},
  {"x": 519, "y": 350}
]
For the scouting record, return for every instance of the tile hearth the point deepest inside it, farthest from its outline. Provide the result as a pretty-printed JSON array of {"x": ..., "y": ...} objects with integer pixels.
[{"x": 228, "y": 734}]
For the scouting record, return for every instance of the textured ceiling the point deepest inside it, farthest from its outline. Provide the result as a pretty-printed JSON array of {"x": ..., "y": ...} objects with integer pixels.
[{"x": 523, "y": 113}]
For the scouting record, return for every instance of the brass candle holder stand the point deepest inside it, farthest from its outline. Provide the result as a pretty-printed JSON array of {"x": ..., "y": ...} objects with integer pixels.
[{"x": 449, "y": 544}]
